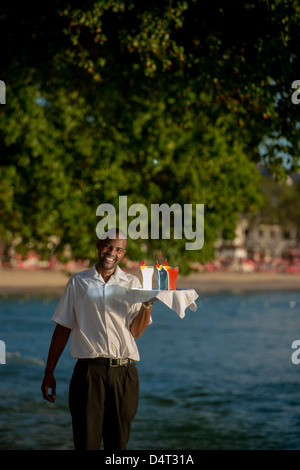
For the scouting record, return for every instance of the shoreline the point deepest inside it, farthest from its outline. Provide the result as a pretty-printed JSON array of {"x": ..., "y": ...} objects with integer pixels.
[{"x": 30, "y": 282}]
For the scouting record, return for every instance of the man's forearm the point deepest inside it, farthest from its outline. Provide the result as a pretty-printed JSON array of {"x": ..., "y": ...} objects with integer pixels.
[
  {"x": 141, "y": 321},
  {"x": 59, "y": 340}
]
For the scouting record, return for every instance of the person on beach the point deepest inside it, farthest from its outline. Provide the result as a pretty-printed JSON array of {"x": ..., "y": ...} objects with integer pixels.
[{"x": 104, "y": 388}]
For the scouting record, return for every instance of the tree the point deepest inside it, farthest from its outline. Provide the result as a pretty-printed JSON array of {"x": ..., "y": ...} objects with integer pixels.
[
  {"x": 159, "y": 101},
  {"x": 280, "y": 203}
]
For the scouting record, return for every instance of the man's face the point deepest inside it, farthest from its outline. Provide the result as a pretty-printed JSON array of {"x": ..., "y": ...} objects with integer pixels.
[{"x": 111, "y": 252}]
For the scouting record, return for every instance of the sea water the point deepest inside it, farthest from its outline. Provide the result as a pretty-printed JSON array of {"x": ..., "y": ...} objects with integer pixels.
[{"x": 221, "y": 378}]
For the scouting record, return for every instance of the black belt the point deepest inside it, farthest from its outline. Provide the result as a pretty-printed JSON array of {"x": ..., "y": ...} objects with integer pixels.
[{"x": 110, "y": 361}]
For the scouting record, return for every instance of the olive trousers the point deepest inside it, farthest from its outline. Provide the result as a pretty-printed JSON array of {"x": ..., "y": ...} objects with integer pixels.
[{"x": 103, "y": 401}]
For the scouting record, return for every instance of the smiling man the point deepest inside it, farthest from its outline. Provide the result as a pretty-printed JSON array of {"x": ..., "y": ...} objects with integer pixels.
[{"x": 104, "y": 389}]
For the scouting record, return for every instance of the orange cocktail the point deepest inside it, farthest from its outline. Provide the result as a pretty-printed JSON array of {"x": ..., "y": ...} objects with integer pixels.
[{"x": 172, "y": 277}]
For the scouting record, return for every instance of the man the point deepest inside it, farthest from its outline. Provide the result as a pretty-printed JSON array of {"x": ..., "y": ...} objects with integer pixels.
[{"x": 104, "y": 388}]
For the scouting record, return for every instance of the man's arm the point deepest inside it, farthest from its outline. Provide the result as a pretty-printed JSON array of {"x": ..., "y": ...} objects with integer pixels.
[
  {"x": 59, "y": 340},
  {"x": 141, "y": 321}
]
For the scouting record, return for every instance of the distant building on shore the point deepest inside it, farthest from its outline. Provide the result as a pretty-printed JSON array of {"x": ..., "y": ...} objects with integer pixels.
[
  {"x": 255, "y": 240},
  {"x": 256, "y": 237}
]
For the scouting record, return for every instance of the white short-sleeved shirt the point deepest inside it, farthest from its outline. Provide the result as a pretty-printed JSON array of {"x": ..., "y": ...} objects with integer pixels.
[{"x": 99, "y": 314}]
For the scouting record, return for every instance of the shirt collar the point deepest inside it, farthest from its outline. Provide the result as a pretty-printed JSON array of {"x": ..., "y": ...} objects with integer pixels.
[{"x": 118, "y": 275}]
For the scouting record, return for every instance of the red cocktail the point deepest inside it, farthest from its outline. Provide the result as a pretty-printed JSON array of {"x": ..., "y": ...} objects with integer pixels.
[{"x": 172, "y": 277}]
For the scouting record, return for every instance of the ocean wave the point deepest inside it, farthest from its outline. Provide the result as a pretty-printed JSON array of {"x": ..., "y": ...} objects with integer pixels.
[{"x": 16, "y": 356}]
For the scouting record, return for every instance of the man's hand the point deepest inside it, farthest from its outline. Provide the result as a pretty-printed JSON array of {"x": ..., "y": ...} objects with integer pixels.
[
  {"x": 49, "y": 382},
  {"x": 151, "y": 301}
]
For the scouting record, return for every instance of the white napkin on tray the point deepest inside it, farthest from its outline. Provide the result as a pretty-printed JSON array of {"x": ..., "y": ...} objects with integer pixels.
[{"x": 177, "y": 300}]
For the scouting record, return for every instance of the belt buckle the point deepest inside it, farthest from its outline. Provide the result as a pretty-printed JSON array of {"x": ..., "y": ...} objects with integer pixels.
[{"x": 113, "y": 362}]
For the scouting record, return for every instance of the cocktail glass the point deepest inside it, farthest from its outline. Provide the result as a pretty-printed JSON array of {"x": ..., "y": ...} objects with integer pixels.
[
  {"x": 172, "y": 277},
  {"x": 147, "y": 273},
  {"x": 162, "y": 276}
]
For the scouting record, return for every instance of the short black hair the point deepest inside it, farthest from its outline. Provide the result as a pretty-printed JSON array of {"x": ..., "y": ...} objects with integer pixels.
[{"x": 114, "y": 233}]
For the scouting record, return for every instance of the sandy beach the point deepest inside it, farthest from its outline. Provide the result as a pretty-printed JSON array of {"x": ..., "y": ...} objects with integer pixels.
[{"x": 20, "y": 281}]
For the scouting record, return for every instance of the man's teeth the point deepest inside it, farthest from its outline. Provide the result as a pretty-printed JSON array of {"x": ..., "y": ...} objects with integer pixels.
[{"x": 110, "y": 258}]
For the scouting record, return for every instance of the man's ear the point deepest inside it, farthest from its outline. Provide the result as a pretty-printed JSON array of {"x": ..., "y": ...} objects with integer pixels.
[{"x": 98, "y": 244}]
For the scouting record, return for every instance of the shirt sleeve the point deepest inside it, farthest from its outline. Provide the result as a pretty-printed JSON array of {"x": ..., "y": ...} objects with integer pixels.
[{"x": 64, "y": 313}]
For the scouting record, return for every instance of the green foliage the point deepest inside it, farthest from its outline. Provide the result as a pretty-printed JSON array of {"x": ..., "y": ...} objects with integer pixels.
[
  {"x": 243, "y": 54},
  {"x": 281, "y": 202},
  {"x": 162, "y": 102},
  {"x": 289, "y": 206}
]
